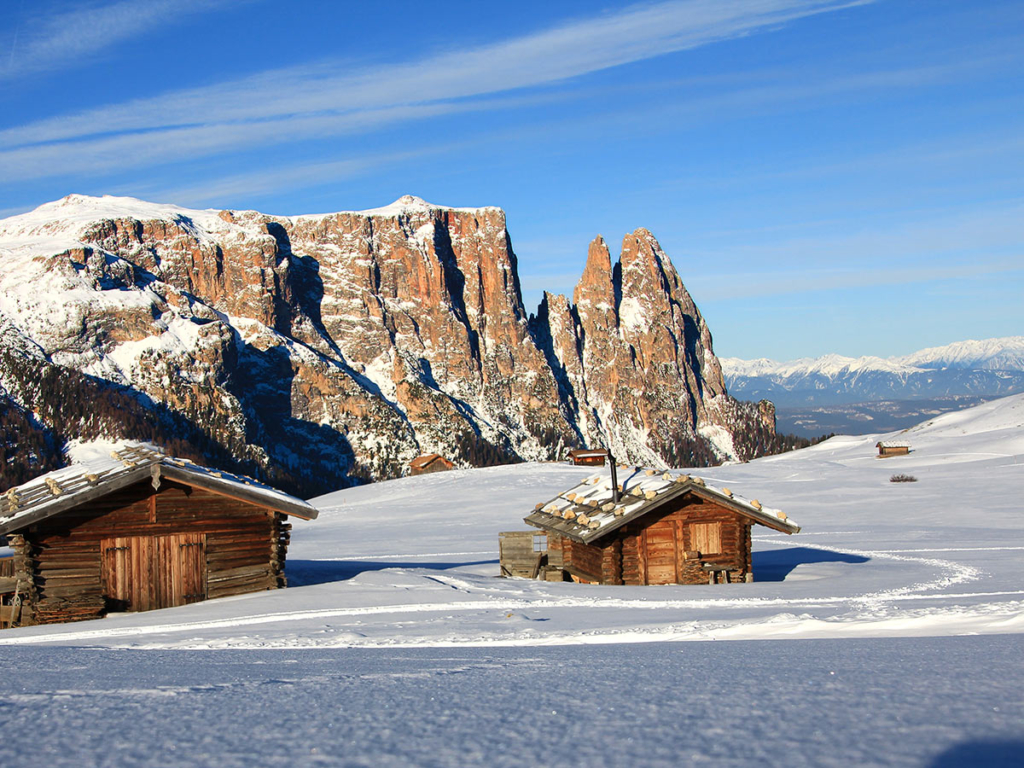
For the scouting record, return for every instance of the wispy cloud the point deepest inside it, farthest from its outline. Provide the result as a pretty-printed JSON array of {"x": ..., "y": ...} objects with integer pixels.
[
  {"x": 50, "y": 42},
  {"x": 326, "y": 100},
  {"x": 748, "y": 286},
  {"x": 223, "y": 189},
  {"x": 972, "y": 244}
]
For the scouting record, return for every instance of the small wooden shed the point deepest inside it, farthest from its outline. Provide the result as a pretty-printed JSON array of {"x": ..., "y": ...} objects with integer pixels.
[
  {"x": 662, "y": 529},
  {"x": 429, "y": 462},
  {"x": 586, "y": 457},
  {"x": 888, "y": 448},
  {"x": 138, "y": 531}
]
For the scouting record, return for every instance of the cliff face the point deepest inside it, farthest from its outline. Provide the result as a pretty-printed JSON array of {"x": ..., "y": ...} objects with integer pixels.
[
  {"x": 636, "y": 355},
  {"x": 316, "y": 348}
]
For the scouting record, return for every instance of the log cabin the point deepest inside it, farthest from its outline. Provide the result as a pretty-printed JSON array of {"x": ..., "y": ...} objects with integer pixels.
[
  {"x": 428, "y": 463},
  {"x": 658, "y": 528},
  {"x": 586, "y": 457},
  {"x": 888, "y": 448},
  {"x": 138, "y": 531}
]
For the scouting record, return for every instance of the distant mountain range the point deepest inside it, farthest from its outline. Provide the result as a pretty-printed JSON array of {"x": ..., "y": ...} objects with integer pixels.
[
  {"x": 868, "y": 394},
  {"x": 988, "y": 368}
]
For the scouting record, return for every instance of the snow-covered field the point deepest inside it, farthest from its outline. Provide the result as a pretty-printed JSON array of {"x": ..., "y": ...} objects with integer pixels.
[{"x": 396, "y": 642}]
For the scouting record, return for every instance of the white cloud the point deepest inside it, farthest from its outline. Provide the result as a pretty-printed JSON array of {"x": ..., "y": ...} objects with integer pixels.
[
  {"x": 49, "y": 42},
  {"x": 971, "y": 244},
  {"x": 276, "y": 179},
  {"x": 325, "y": 100}
]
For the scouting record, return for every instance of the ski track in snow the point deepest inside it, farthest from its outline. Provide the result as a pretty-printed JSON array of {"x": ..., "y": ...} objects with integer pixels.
[
  {"x": 410, "y": 563},
  {"x": 950, "y": 573}
]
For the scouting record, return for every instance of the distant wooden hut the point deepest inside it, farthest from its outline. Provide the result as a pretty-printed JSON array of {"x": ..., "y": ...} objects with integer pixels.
[
  {"x": 585, "y": 457},
  {"x": 662, "y": 529},
  {"x": 135, "y": 532},
  {"x": 430, "y": 462},
  {"x": 888, "y": 448}
]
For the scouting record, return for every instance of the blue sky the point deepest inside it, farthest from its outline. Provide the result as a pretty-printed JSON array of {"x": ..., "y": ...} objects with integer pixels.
[{"x": 826, "y": 176}]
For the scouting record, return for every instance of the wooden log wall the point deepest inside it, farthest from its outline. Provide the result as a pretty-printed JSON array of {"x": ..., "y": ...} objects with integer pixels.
[
  {"x": 279, "y": 548},
  {"x": 245, "y": 546},
  {"x": 555, "y": 548},
  {"x": 661, "y": 549},
  {"x": 611, "y": 562},
  {"x": 23, "y": 600},
  {"x": 582, "y": 560},
  {"x": 734, "y": 535},
  {"x": 633, "y": 566}
]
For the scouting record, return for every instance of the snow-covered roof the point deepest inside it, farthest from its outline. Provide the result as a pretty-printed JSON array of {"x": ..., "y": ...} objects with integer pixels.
[
  {"x": 63, "y": 489},
  {"x": 587, "y": 511},
  {"x": 893, "y": 444},
  {"x": 428, "y": 458}
]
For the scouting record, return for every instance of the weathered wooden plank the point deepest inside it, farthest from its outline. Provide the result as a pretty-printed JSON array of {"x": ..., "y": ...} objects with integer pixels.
[{"x": 240, "y": 572}]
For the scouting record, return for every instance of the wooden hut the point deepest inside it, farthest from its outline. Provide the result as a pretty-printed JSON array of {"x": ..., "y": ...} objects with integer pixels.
[
  {"x": 888, "y": 448},
  {"x": 139, "y": 531},
  {"x": 585, "y": 457},
  {"x": 430, "y": 462},
  {"x": 658, "y": 529}
]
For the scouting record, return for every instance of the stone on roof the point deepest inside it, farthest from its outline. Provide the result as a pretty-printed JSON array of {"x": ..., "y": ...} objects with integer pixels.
[
  {"x": 63, "y": 489},
  {"x": 588, "y": 511}
]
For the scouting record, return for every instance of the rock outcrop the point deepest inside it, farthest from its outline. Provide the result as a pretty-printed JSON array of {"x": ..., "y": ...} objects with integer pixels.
[
  {"x": 320, "y": 348},
  {"x": 636, "y": 355}
]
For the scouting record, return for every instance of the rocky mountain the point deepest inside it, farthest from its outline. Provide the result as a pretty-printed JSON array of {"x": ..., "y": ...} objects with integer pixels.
[
  {"x": 314, "y": 350},
  {"x": 988, "y": 368}
]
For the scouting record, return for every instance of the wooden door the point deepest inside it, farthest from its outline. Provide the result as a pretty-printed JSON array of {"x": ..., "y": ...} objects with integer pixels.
[
  {"x": 661, "y": 548},
  {"x": 181, "y": 569},
  {"x": 127, "y": 572},
  {"x": 141, "y": 573}
]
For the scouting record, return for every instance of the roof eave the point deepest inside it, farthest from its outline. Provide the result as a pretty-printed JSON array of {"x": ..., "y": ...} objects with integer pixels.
[
  {"x": 769, "y": 521},
  {"x": 236, "y": 491},
  {"x": 136, "y": 474}
]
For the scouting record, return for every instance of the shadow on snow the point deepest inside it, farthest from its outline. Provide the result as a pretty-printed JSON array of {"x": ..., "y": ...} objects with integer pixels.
[
  {"x": 304, "y": 573},
  {"x": 777, "y": 564}
]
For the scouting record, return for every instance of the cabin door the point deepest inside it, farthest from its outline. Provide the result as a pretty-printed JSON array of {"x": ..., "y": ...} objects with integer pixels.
[
  {"x": 662, "y": 543},
  {"x": 141, "y": 573}
]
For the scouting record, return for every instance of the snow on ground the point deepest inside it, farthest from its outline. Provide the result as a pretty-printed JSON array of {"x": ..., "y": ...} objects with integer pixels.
[
  {"x": 413, "y": 562},
  {"x": 397, "y": 643},
  {"x": 814, "y": 703}
]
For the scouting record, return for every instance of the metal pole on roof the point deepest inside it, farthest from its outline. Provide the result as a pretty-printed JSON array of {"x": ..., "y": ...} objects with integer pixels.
[{"x": 615, "y": 477}]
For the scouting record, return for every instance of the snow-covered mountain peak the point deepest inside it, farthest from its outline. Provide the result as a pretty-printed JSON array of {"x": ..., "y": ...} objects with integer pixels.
[
  {"x": 403, "y": 206},
  {"x": 1005, "y": 353},
  {"x": 830, "y": 366},
  {"x": 988, "y": 368},
  {"x": 61, "y": 223},
  {"x": 374, "y": 336}
]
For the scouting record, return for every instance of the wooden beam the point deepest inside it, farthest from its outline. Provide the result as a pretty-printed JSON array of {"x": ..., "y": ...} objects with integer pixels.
[
  {"x": 73, "y": 500},
  {"x": 237, "y": 492}
]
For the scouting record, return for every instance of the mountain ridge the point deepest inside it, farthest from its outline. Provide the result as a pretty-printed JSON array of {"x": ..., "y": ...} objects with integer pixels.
[
  {"x": 1003, "y": 353},
  {"x": 979, "y": 368},
  {"x": 337, "y": 346}
]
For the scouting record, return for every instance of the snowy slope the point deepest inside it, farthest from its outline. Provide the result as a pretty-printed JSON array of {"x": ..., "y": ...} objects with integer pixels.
[
  {"x": 403, "y": 648},
  {"x": 412, "y": 562}
]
